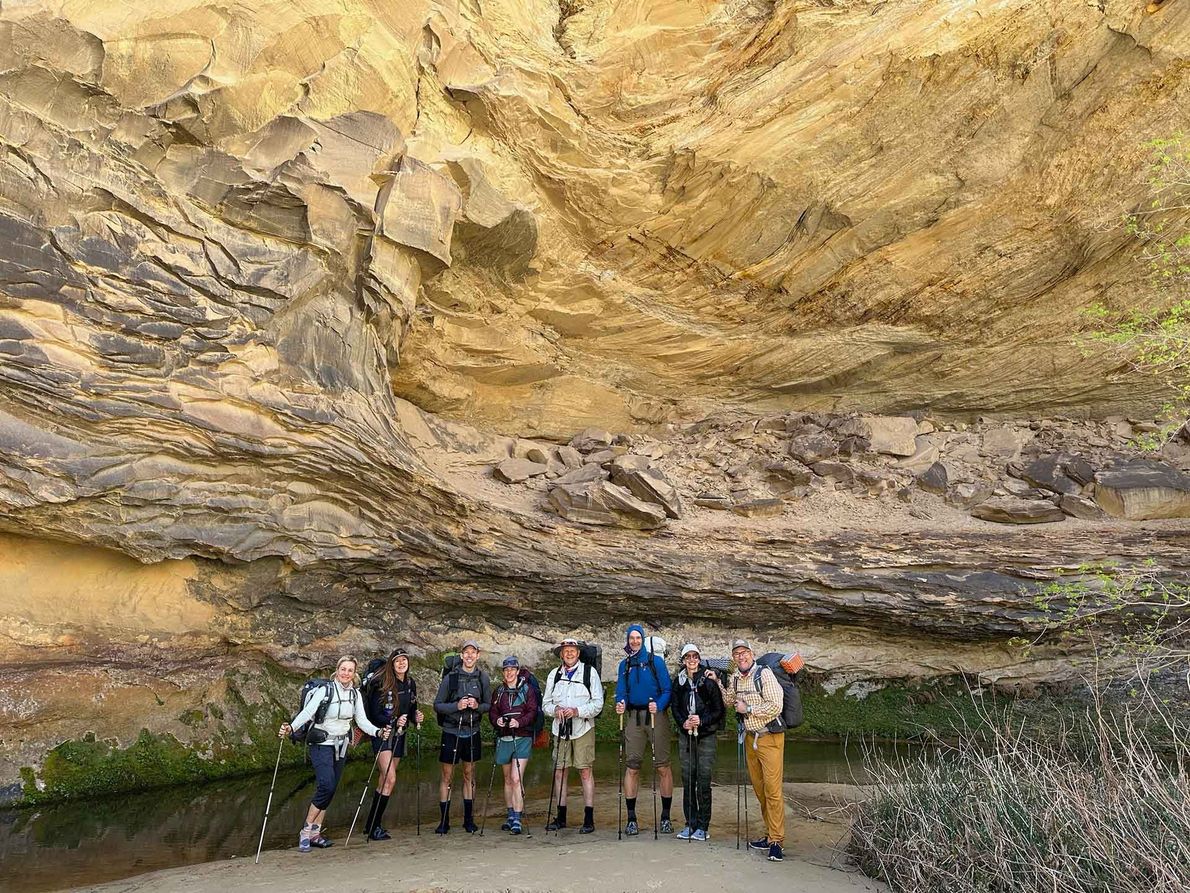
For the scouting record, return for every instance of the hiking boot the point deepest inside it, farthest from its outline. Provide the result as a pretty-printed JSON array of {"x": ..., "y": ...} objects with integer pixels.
[
  {"x": 321, "y": 842},
  {"x": 303, "y": 844},
  {"x": 632, "y": 828},
  {"x": 507, "y": 826},
  {"x": 761, "y": 844},
  {"x": 379, "y": 833},
  {"x": 514, "y": 825},
  {"x": 587, "y": 828},
  {"x": 556, "y": 824},
  {"x": 685, "y": 834},
  {"x": 470, "y": 827},
  {"x": 667, "y": 827},
  {"x": 701, "y": 835},
  {"x": 775, "y": 853},
  {"x": 443, "y": 827}
]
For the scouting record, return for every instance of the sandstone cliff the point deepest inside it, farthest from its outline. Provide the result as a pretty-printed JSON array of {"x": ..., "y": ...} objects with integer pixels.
[{"x": 280, "y": 281}]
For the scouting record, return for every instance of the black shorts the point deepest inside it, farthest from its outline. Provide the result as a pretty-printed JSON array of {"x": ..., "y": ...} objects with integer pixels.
[
  {"x": 396, "y": 744},
  {"x": 460, "y": 750}
]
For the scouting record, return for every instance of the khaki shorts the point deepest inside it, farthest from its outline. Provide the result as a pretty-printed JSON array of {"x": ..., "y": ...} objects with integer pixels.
[
  {"x": 576, "y": 753},
  {"x": 636, "y": 737}
]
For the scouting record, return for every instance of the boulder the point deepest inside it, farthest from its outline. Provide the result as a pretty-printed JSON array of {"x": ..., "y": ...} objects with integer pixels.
[
  {"x": 1003, "y": 443},
  {"x": 1049, "y": 473},
  {"x": 604, "y": 503},
  {"x": 514, "y": 471},
  {"x": 713, "y": 501},
  {"x": 1023, "y": 489},
  {"x": 811, "y": 448},
  {"x": 925, "y": 455},
  {"x": 759, "y": 507},
  {"x": 591, "y": 439},
  {"x": 627, "y": 462},
  {"x": 648, "y": 484},
  {"x": 570, "y": 457},
  {"x": 603, "y": 457},
  {"x": 1081, "y": 507},
  {"x": 538, "y": 454},
  {"x": 934, "y": 479},
  {"x": 891, "y": 435},
  {"x": 966, "y": 495},
  {"x": 1143, "y": 489},
  {"x": 835, "y": 471},
  {"x": 785, "y": 476},
  {"x": 1010, "y": 510},
  {"x": 587, "y": 473}
]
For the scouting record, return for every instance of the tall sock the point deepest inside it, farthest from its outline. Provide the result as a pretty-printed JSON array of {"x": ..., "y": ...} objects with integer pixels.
[
  {"x": 468, "y": 810},
  {"x": 444, "y": 811},
  {"x": 666, "y": 803},
  {"x": 380, "y": 808},
  {"x": 630, "y": 802},
  {"x": 561, "y": 817},
  {"x": 306, "y": 832},
  {"x": 372, "y": 812},
  {"x": 588, "y": 815}
]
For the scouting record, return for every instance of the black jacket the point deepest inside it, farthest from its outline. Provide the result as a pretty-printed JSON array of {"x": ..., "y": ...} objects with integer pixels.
[
  {"x": 708, "y": 701},
  {"x": 384, "y": 708},
  {"x": 456, "y": 685}
]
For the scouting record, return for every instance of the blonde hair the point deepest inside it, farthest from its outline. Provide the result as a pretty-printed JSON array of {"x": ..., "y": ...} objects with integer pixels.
[{"x": 347, "y": 658}]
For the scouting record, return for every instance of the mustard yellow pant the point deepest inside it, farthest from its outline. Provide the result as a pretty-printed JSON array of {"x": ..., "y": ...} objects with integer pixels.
[{"x": 765, "y": 755}]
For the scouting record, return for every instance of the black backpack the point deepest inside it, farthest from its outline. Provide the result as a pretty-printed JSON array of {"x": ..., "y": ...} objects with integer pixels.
[
  {"x": 373, "y": 672},
  {"x": 791, "y": 709},
  {"x": 301, "y": 734}
]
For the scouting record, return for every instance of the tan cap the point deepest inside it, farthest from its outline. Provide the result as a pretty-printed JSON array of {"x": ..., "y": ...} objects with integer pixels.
[{"x": 738, "y": 644}]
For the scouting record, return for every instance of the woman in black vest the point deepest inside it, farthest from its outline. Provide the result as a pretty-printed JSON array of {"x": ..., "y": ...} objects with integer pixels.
[
  {"x": 391, "y": 700},
  {"x": 697, "y": 705}
]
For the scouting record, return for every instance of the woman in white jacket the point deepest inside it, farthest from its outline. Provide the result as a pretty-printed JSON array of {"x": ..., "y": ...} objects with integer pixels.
[
  {"x": 573, "y": 697},
  {"x": 329, "y": 741}
]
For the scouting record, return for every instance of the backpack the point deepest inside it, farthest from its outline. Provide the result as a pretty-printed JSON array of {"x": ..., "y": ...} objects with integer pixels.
[
  {"x": 450, "y": 667},
  {"x": 301, "y": 734},
  {"x": 720, "y": 666},
  {"x": 791, "y": 709},
  {"x": 655, "y": 645},
  {"x": 373, "y": 672}
]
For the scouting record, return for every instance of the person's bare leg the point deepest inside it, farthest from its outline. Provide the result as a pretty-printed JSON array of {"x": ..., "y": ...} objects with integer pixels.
[
  {"x": 587, "y": 776},
  {"x": 560, "y": 787},
  {"x": 468, "y": 781},
  {"x": 631, "y": 783},
  {"x": 510, "y": 786},
  {"x": 518, "y": 799},
  {"x": 665, "y": 780},
  {"x": 448, "y": 772}
]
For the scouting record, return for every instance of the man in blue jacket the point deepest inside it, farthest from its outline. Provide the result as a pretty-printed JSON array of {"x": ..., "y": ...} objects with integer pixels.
[{"x": 642, "y": 695}]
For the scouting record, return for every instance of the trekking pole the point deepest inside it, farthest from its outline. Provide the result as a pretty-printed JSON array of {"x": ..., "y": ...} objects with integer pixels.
[
  {"x": 491, "y": 778},
  {"x": 269, "y": 804},
  {"x": 693, "y": 744},
  {"x": 454, "y": 761},
  {"x": 549, "y": 813},
  {"x": 620, "y": 783},
  {"x": 417, "y": 785},
  {"x": 653, "y": 773},
  {"x": 367, "y": 784},
  {"x": 739, "y": 757},
  {"x": 747, "y": 824}
]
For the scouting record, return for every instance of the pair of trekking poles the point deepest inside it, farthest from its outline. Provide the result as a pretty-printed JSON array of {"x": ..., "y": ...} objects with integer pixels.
[
  {"x": 390, "y": 744},
  {"x": 620, "y": 774}
]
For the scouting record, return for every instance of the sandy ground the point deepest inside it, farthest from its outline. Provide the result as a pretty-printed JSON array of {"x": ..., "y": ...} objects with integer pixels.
[{"x": 816, "y": 828}]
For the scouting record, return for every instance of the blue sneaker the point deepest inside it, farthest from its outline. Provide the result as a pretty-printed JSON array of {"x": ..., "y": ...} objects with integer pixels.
[
  {"x": 514, "y": 825},
  {"x": 685, "y": 834},
  {"x": 761, "y": 844},
  {"x": 700, "y": 835},
  {"x": 775, "y": 853}
]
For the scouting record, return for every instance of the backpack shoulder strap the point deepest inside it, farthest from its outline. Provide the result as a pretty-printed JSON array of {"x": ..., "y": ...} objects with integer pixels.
[{"x": 587, "y": 677}]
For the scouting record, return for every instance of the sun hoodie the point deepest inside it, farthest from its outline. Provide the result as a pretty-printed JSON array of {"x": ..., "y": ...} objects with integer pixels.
[{"x": 636, "y": 682}]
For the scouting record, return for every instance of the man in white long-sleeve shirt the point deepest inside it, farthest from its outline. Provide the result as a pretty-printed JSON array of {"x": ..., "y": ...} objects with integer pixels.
[
  {"x": 573, "y": 697},
  {"x": 329, "y": 740}
]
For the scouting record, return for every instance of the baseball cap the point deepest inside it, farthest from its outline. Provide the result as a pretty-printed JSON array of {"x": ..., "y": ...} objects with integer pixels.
[
  {"x": 470, "y": 643},
  {"x": 510, "y": 661},
  {"x": 740, "y": 643},
  {"x": 690, "y": 647}
]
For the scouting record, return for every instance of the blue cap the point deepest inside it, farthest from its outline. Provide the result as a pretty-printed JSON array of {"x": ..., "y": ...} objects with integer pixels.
[{"x": 510, "y": 661}]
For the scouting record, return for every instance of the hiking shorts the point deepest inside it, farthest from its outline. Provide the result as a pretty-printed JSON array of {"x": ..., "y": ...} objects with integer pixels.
[
  {"x": 507, "y": 748},
  {"x": 466, "y": 750},
  {"x": 395, "y": 744},
  {"x": 576, "y": 753},
  {"x": 637, "y": 735}
]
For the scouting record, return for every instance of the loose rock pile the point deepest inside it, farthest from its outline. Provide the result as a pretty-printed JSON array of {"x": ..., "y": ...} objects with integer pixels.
[{"x": 1005, "y": 472}]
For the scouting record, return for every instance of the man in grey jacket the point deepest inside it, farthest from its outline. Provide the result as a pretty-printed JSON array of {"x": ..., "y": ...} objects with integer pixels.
[
  {"x": 573, "y": 697},
  {"x": 464, "y": 697}
]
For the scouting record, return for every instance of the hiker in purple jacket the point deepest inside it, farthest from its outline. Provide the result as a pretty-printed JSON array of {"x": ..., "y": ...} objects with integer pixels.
[{"x": 514, "y": 707}]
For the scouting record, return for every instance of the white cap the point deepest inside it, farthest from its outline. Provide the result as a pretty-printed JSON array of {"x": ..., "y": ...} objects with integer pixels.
[{"x": 690, "y": 647}]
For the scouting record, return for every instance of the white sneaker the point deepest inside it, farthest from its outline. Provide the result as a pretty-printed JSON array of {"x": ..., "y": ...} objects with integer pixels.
[
  {"x": 686, "y": 833},
  {"x": 701, "y": 835}
]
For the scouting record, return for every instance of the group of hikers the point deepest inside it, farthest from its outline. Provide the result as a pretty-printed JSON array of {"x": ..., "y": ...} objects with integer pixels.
[{"x": 696, "y": 700}]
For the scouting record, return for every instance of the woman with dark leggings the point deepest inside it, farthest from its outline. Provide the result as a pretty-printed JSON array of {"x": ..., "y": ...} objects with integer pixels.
[
  {"x": 329, "y": 740},
  {"x": 391, "y": 700}
]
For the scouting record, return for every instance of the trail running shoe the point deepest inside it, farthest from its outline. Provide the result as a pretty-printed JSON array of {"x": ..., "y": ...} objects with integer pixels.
[
  {"x": 700, "y": 835},
  {"x": 379, "y": 833},
  {"x": 667, "y": 827},
  {"x": 632, "y": 828},
  {"x": 587, "y": 828},
  {"x": 507, "y": 826},
  {"x": 514, "y": 826},
  {"x": 470, "y": 827},
  {"x": 555, "y": 825},
  {"x": 321, "y": 842},
  {"x": 761, "y": 844},
  {"x": 685, "y": 834},
  {"x": 775, "y": 853},
  {"x": 303, "y": 844}
]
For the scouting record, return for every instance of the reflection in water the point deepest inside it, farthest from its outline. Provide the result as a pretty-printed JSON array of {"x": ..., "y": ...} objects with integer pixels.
[{"x": 99, "y": 840}]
